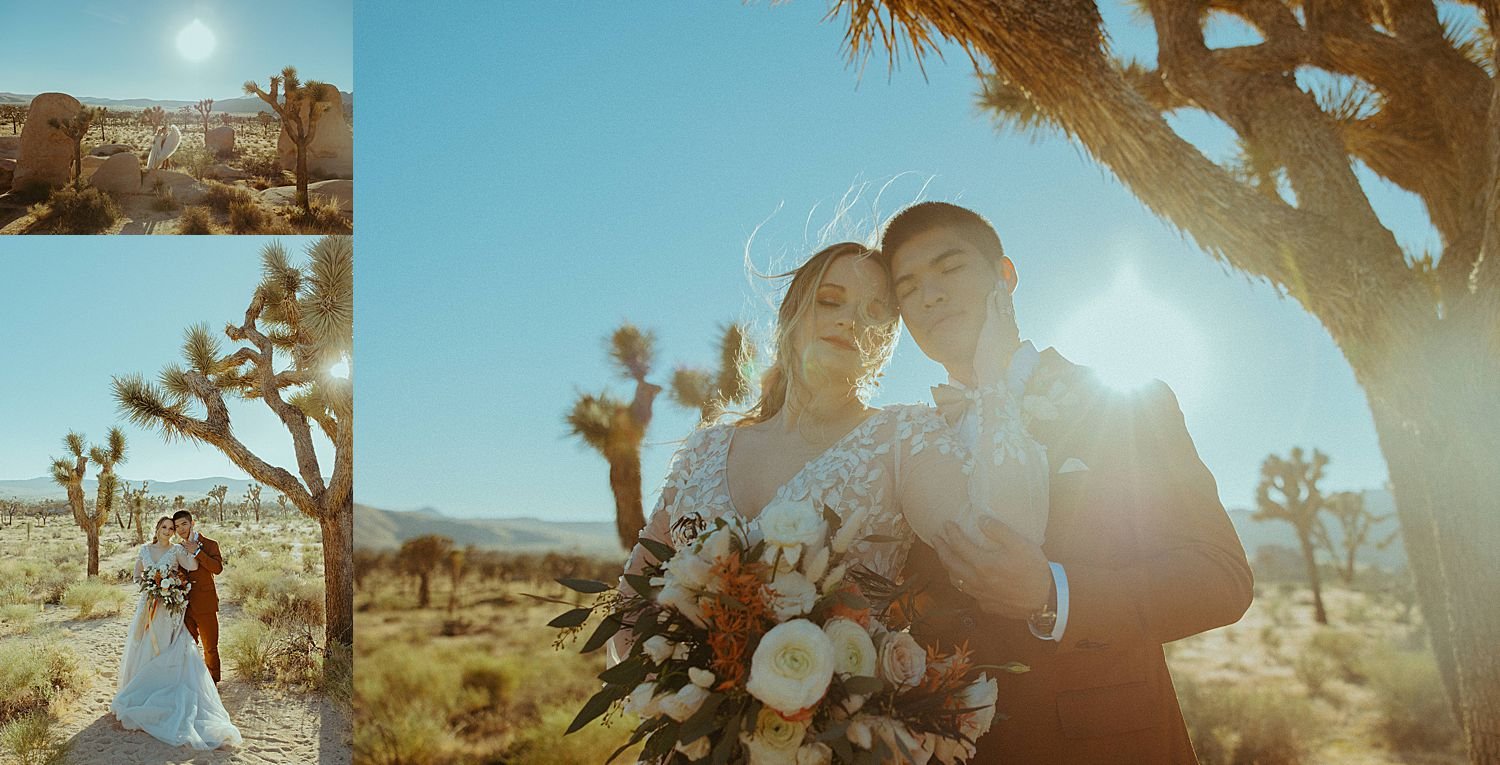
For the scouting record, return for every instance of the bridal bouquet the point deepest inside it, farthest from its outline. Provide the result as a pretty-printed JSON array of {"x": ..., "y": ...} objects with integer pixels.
[
  {"x": 171, "y": 590},
  {"x": 760, "y": 642}
]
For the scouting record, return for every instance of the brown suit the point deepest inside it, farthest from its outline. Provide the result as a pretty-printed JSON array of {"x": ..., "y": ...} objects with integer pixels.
[
  {"x": 1150, "y": 557},
  {"x": 202, "y": 617}
]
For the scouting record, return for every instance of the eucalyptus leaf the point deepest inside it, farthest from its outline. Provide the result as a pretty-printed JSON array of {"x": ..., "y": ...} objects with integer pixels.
[
  {"x": 585, "y": 586},
  {"x": 573, "y": 618}
]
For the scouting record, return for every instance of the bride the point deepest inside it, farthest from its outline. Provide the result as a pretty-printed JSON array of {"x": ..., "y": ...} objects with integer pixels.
[
  {"x": 164, "y": 687},
  {"x": 896, "y": 472}
]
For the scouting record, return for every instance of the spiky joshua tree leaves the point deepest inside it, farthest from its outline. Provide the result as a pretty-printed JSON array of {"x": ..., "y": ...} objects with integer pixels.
[
  {"x": 1298, "y": 501},
  {"x": 297, "y": 327},
  {"x": 296, "y": 103},
  {"x": 419, "y": 556},
  {"x": 712, "y": 392},
  {"x": 204, "y": 108},
  {"x": 106, "y": 456},
  {"x": 75, "y": 128},
  {"x": 68, "y": 472},
  {"x": 1408, "y": 93}
]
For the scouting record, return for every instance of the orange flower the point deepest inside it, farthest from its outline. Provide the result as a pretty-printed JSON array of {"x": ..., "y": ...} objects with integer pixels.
[
  {"x": 860, "y": 615},
  {"x": 736, "y": 617}
]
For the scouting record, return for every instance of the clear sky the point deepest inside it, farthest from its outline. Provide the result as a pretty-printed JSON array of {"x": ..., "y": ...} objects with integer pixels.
[
  {"x": 78, "y": 310},
  {"x": 138, "y": 49},
  {"x": 607, "y": 162}
]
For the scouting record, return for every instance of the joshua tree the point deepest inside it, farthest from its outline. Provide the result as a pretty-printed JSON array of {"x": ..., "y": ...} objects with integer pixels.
[
  {"x": 1411, "y": 96},
  {"x": 76, "y": 127},
  {"x": 457, "y": 567},
  {"x": 106, "y": 456},
  {"x": 615, "y": 429},
  {"x": 1296, "y": 481},
  {"x": 265, "y": 119},
  {"x": 419, "y": 556},
  {"x": 710, "y": 393},
  {"x": 103, "y": 121},
  {"x": 298, "y": 325},
  {"x": 135, "y": 504},
  {"x": 298, "y": 107},
  {"x": 1355, "y": 522},
  {"x": 154, "y": 117},
  {"x": 217, "y": 494},
  {"x": 251, "y": 500},
  {"x": 15, "y": 115},
  {"x": 203, "y": 108},
  {"x": 68, "y": 472},
  {"x": 282, "y": 504}
]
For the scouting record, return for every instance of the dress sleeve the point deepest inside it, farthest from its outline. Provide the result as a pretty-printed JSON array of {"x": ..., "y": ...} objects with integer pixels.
[{"x": 1011, "y": 473}]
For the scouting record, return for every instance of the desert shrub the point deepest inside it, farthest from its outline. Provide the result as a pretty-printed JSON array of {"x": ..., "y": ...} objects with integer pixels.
[
  {"x": 321, "y": 217},
  {"x": 31, "y": 740},
  {"x": 545, "y": 744},
  {"x": 264, "y": 166},
  {"x": 195, "y": 220},
  {"x": 193, "y": 160},
  {"x": 1314, "y": 670},
  {"x": 221, "y": 196},
  {"x": 1343, "y": 648},
  {"x": 81, "y": 211},
  {"x": 166, "y": 199},
  {"x": 14, "y": 593},
  {"x": 414, "y": 730},
  {"x": 94, "y": 599},
  {"x": 244, "y": 647},
  {"x": 52, "y": 583},
  {"x": 19, "y": 617},
  {"x": 1414, "y": 710},
  {"x": 1237, "y": 725},
  {"x": 289, "y": 603},
  {"x": 32, "y": 190},
  {"x": 337, "y": 680},
  {"x": 33, "y": 674},
  {"x": 247, "y": 217}
]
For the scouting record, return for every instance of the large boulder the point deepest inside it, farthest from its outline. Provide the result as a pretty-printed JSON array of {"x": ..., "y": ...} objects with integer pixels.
[
  {"x": 220, "y": 140},
  {"x": 10, "y": 147},
  {"x": 120, "y": 174},
  {"x": 89, "y": 163},
  {"x": 224, "y": 172},
  {"x": 108, "y": 149},
  {"x": 46, "y": 152},
  {"x": 339, "y": 191},
  {"x": 331, "y": 152}
]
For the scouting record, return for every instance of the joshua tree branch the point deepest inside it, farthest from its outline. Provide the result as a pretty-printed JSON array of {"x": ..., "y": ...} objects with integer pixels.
[{"x": 290, "y": 416}]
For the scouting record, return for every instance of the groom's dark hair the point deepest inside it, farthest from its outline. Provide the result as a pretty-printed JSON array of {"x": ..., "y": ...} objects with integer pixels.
[
  {"x": 925, "y": 216},
  {"x": 180, "y": 514}
]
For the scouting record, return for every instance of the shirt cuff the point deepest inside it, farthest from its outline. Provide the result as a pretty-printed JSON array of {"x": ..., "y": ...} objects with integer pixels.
[{"x": 1060, "y": 581}]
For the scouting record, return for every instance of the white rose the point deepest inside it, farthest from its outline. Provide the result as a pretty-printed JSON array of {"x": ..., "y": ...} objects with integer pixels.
[
  {"x": 683, "y": 600},
  {"x": 639, "y": 702},
  {"x": 716, "y": 544},
  {"x": 982, "y": 694},
  {"x": 853, "y": 651},
  {"x": 776, "y": 741},
  {"x": 695, "y": 751},
  {"x": 792, "y": 666},
  {"x": 790, "y": 524},
  {"x": 902, "y": 661},
  {"x": 817, "y": 753},
  {"x": 701, "y": 677},
  {"x": 682, "y": 704},
  {"x": 658, "y": 647},
  {"x": 792, "y": 595},
  {"x": 687, "y": 570}
]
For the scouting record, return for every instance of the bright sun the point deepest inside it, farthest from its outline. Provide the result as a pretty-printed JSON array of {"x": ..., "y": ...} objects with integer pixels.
[
  {"x": 196, "y": 41},
  {"x": 1130, "y": 336}
]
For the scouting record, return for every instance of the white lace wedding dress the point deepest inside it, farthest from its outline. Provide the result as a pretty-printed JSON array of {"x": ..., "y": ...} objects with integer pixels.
[{"x": 164, "y": 686}]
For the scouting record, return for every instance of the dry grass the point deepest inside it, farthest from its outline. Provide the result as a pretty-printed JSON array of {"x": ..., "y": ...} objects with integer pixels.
[
  {"x": 94, "y": 599},
  {"x": 196, "y": 219},
  {"x": 76, "y": 211}
]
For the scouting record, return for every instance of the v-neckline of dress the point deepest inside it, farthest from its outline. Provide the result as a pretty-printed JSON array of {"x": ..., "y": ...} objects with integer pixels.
[
  {"x": 729, "y": 445},
  {"x": 159, "y": 558}
]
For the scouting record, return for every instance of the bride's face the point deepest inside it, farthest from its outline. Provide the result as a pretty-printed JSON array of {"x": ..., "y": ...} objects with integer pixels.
[
  {"x": 843, "y": 333},
  {"x": 164, "y": 531}
]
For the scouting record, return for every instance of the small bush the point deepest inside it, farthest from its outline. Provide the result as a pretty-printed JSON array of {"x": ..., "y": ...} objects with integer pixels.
[
  {"x": 166, "y": 199},
  {"x": 321, "y": 217},
  {"x": 1314, "y": 670},
  {"x": 222, "y": 196},
  {"x": 94, "y": 599},
  {"x": 245, "y": 646},
  {"x": 31, "y": 740},
  {"x": 33, "y": 674},
  {"x": 51, "y": 583},
  {"x": 20, "y": 617},
  {"x": 247, "y": 217},
  {"x": 1343, "y": 648},
  {"x": 289, "y": 603},
  {"x": 1414, "y": 710},
  {"x": 195, "y": 220},
  {"x": 1234, "y": 725},
  {"x": 81, "y": 211}
]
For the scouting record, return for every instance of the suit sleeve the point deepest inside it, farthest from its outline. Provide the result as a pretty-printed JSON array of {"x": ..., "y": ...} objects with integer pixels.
[
  {"x": 1188, "y": 573},
  {"x": 209, "y": 558}
]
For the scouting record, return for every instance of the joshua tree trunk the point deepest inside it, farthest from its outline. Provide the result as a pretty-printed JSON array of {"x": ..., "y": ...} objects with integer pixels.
[
  {"x": 625, "y": 483},
  {"x": 338, "y": 554},
  {"x": 1311, "y": 562},
  {"x": 302, "y": 200}
]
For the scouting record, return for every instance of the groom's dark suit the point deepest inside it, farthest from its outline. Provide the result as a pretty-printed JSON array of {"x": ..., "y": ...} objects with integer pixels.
[
  {"x": 1150, "y": 557},
  {"x": 202, "y": 619}
]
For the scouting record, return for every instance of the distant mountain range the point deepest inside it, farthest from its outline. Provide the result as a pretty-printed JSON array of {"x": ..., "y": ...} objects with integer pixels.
[
  {"x": 33, "y": 489},
  {"x": 237, "y": 105},
  {"x": 387, "y": 529},
  {"x": 376, "y": 529}
]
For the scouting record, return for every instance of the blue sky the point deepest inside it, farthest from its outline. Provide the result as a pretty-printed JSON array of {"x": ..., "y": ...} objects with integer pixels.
[
  {"x": 598, "y": 162},
  {"x": 130, "y": 50},
  {"x": 79, "y": 310}
]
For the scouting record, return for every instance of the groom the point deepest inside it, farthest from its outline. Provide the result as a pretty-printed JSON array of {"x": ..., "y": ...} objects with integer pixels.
[
  {"x": 1137, "y": 551},
  {"x": 202, "y": 618}
]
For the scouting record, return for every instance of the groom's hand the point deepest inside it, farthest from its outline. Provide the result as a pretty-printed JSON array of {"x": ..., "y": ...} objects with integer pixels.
[{"x": 1006, "y": 573}]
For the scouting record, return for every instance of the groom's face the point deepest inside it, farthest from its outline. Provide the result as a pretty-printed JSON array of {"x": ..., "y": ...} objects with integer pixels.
[
  {"x": 941, "y": 282},
  {"x": 184, "y": 527}
]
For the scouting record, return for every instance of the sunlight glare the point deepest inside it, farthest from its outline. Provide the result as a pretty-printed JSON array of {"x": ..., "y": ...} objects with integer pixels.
[
  {"x": 196, "y": 41},
  {"x": 340, "y": 370}
]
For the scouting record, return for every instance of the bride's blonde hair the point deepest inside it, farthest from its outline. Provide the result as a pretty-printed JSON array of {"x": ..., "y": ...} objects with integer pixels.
[
  {"x": 787, "y": 372},
  {"x": 156, "y": 529}
]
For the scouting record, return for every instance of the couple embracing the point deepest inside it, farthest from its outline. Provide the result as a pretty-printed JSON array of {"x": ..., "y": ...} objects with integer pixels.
[
  {"x": 167, "y": 687},
  {"x": 1039, "y": 516}
]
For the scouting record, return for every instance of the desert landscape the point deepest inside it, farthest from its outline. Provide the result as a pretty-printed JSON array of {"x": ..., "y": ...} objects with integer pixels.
[
  {"x": 234, "y": 169},
  {"x": 61, "y": 633}
]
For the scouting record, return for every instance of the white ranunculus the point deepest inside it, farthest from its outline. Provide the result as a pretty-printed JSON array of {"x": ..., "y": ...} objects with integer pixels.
[
  {"x": 792, "y": 595},
  {"x": 695, "y": 751},
  {"x": 681, "y": 705},
  {"x": 853, "y": 651},
  {"x": 684, "y": 600},
  {"x": 658, "y": 648},
  {"x": 816, "y": 753},
  {"x": 639, "y": 702},
  {"x": 701, "y": 677},
  {"x": 776, "y": 740},
  {"x": 792, "y": 666},
  {"x": 687, "y": 570},
  {"x": 902, "y": 661},
  {"x": 981, "y": 693},
  {"x": 789, "y": 525}
]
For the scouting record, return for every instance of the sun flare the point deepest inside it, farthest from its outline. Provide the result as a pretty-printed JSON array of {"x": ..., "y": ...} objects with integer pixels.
[
  {"x": 196, "y": 41},
  {"x": 1130, "y": 336}
]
